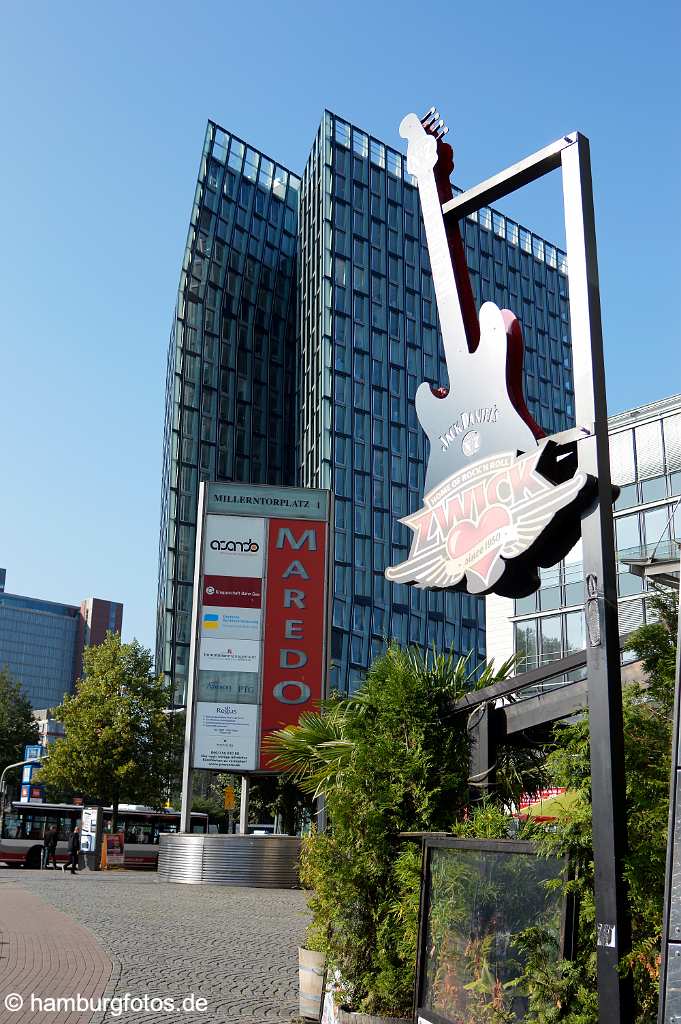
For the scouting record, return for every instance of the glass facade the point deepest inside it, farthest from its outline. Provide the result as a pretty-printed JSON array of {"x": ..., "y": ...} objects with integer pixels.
[
  {"x": 367, "y": 337},
  {"x": 38, "y": 646},
  {"x": 231, "y": 380},
  {"x": 645, "y": 455}
]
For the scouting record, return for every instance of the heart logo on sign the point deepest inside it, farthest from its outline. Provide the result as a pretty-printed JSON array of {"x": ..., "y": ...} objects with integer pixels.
[{"x": 474, "y": 545}]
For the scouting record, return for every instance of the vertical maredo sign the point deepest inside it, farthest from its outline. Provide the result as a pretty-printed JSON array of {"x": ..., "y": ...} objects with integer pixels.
[{"x": 260, "y": 627}]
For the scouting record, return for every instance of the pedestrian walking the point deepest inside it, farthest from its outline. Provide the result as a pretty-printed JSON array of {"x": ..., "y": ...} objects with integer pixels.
[
  {"x": 50, "y": 847},
  {"x": 74, "y": 849}
]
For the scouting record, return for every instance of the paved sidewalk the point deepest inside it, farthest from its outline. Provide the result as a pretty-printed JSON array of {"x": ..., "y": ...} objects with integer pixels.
[
  {"x": 45, "y": 953},
  {"x": 234, "y": 947}
]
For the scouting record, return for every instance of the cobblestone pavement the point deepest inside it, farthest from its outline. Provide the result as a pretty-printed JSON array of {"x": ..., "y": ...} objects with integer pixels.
[{"x": 235, "y": 947}]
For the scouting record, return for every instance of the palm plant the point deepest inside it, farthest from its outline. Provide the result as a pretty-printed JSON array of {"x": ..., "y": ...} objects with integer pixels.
[{"x": 315, "y": 752}]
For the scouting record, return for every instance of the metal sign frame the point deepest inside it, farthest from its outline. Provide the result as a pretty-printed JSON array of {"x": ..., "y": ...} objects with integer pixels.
[
  {"x": 290, "y": 504},
  {"x": 431, "y": 842},
  {"x": 572, "y": 155}
]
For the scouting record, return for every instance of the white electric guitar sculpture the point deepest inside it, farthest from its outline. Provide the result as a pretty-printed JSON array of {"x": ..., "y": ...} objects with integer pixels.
[
  {"x": 499, "y": 501},
  {"x": 476, "y": 417}
]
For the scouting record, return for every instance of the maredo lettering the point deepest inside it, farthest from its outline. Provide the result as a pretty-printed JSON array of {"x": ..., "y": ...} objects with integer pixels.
[
  {"x": 293, "y": 669},
  {"x": 294, "y": 628}
]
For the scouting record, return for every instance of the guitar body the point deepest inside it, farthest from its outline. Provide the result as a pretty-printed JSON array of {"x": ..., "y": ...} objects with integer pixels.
[{"x": 468, "y": 424}]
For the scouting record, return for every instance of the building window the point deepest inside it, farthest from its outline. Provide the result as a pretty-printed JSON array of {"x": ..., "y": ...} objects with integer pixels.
[
  {"x": 550, "y": 638},
  {"x": 628, "y": 533},
  {"x": 654, "y": 489},
  {"x": 574, "y": 632},
  {"x": 526, "y": 644}
]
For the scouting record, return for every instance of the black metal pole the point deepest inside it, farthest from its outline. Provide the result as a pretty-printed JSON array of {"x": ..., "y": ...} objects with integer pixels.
[
  {"x": 669, "y": 1007},
  {"x": 615, "y": 993}
]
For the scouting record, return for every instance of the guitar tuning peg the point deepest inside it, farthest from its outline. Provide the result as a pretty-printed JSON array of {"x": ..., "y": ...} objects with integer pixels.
[{"x": 430, "y": 118}]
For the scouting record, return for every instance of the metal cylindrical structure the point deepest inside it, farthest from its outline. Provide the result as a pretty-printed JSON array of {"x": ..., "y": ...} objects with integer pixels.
[{"x": 270, "y": 862}]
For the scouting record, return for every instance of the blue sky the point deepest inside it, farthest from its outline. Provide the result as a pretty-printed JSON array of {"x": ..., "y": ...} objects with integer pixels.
[{"x": 103, "y": 114}]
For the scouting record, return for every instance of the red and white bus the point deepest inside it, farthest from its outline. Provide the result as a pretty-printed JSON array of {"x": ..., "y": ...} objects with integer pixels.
[{"x": 25, "y": 824}]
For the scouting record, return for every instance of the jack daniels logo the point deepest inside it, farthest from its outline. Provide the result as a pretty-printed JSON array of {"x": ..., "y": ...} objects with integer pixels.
[{"x": 501, "y": 499}]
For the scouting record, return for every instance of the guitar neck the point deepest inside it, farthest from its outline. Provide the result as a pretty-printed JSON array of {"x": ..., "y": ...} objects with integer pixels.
[{"x": 448, "y": 301}]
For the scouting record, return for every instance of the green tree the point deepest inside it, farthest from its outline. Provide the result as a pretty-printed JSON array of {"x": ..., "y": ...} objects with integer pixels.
[
  {"x": 17, "y": 726},
  {"x": 119, "y": 744}
]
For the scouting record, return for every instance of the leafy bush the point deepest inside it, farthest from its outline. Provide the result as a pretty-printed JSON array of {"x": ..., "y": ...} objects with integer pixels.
[
  {"x": 390, "y": 759},
  {"x": 394, "y": 758}
]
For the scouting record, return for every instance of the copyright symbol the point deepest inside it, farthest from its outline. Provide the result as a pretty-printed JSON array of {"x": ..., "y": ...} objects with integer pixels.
[{"x": 13, "y": 1002}]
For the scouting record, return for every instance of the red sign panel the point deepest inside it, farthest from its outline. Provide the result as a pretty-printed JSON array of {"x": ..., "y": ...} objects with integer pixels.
[
  {"x": 232, "y": 591},
  {"x": 527, "y": 800},
  {"x": 293, "y": 663}
]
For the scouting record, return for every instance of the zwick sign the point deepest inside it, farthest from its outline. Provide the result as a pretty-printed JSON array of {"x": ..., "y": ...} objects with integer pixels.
[{"x": 259, "y": 638}]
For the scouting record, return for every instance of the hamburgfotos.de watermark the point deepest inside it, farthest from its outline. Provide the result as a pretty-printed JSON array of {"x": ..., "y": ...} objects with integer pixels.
[{"x": 115, "y": 1005}]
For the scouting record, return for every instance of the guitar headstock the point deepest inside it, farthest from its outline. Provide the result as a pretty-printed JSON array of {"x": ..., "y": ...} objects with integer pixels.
[
  {"x": 424, "y": 137},
  {"x": 421, "y": 142}
]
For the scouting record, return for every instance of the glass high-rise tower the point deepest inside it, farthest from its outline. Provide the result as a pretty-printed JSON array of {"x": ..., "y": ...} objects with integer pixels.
[
  {"x": 305, "y": 321},
  {"x": 231, "y": 382}
]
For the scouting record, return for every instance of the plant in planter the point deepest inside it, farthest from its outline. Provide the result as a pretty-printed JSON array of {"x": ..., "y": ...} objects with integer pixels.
[
  {"x": 392, "y": 758},
  {"x": 565, "y": 990}
]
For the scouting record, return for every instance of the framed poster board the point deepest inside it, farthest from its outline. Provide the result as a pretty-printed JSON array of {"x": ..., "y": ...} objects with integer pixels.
[
  {"x": 478, "y": 899},
  {"x": 113, "y": 850}
]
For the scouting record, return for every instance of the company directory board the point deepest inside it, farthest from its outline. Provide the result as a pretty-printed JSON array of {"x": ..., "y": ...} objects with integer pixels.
[{"x": 259, "y": 654}]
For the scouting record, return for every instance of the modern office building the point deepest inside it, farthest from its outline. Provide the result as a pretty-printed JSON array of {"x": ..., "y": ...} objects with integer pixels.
[
  {"x": 305, "y": 321},
  {"x": 41, "y": 642},
  {"x": 49, "y": 729},
  {"x": 645, "y": 457}
]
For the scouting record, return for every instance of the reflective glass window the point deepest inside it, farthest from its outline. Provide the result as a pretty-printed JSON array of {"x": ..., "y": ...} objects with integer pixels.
[
  {"x": 526, "y": 644},
  {"x": 574, "y": 592},
  {"x": 550, "y": 627},
  {"x": 672, "y": 442},
  {"x": 574, "y": 632},
  {"x": 549, "y": 598},
  {"x": 657, "y": 524},
  {"x": 628, "y": 533},
  {"x": 654, "y": 488},
  {"x": 628, "y": 497},
  {"x": 628, "y": 582}
]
